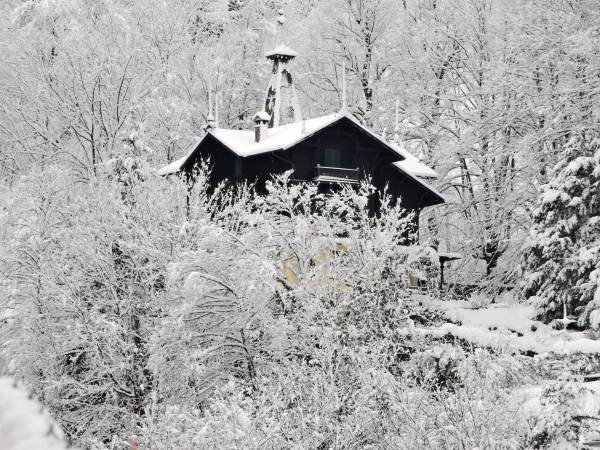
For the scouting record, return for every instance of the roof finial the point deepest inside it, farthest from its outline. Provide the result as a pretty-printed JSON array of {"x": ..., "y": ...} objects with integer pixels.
[
  {"x": 210, "y": 97},
  {"x": 397, "y": 127},
  {"x": 344, "y": 86},
  {"x": 217, "y": 96},
  {"x": 210, "y": 119}
]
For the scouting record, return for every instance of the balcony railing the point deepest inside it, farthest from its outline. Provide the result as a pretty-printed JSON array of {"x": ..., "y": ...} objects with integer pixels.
[{"x": 326, "y": 174}]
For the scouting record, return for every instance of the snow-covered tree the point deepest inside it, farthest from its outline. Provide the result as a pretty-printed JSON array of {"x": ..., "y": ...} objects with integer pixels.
[
  {"x": 562, "y": 257},
  {"x": 89, "y": 261},
  {"x": 569, "y": 411},
  {"x": 282, "y": 295}
]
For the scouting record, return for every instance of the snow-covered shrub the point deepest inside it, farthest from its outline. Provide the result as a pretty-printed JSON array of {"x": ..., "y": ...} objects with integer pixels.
[
  {"x": 89, "y": 265},
  {"x": 477, "y": 413},
  {"x": 295, "y": 307},
  {"x": 479, "y": 300},
  {"x": 232, "y": 320},
  {"x": 449, "y": 366},
  {"x": 438, "y": 366},
  {"x": 568, "y": 412},
  {"x": 500, "y": 371},
  {"x": 228, "y": 422},
  {"x": 561, "y": 260},
  {"x": 577, "y": 363},
  {"x": 422, "y": 265}
]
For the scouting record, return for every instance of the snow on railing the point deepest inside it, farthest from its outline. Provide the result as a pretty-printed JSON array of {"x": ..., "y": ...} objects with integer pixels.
[{"x": 324, "y": 173}]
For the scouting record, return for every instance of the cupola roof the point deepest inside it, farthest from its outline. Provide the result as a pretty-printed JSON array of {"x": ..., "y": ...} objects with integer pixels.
[{"x": 281, "y": 51}]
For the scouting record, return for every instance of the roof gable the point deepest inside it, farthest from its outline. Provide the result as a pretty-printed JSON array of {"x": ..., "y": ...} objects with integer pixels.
[{"x": 243, "y": 144}]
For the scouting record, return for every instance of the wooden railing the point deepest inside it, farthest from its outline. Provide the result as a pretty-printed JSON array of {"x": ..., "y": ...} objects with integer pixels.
[{"x": 324, "y": 173}]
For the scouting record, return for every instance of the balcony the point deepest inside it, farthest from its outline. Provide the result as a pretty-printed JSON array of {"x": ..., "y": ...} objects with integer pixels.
[{"x": 326, "y": 174}]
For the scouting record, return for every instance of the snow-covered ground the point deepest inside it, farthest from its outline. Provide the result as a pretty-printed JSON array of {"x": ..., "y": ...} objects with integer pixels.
[
  {"x": 550, "y": 405},
  {"x": 510, "y": 327}
]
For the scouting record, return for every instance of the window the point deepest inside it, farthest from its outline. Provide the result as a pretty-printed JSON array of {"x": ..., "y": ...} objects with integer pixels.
[{"x": 333, "y": 157}]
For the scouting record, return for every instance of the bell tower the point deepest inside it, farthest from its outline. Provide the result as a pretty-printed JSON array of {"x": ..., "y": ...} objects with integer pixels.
[{"x": 281, "y": 101}]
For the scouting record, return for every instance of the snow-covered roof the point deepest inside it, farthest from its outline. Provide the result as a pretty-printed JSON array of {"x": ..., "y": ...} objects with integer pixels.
[
  {"x": 282, "y": 50},
  {"x": 261, "y": 115},
  {"x": 175, "y": 166},
  {"x": 450, "y": 256},
  {"x": 243, "y": 143},
  {"x": 412, "y": 164}
]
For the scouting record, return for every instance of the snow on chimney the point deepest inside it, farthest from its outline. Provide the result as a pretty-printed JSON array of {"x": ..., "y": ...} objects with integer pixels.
[{"x": 261, "y": 125}]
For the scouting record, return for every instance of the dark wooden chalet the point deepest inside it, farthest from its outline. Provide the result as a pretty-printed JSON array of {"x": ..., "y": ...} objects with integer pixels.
[{"x": 330, "y": 150}]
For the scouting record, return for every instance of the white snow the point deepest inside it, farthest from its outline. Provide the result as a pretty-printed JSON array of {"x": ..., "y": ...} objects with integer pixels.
[
  {"x": 579, "y": 163},
  {"x": 175, "y": 166},
  {"x": 415, "y": 167},
  {"x": 412, "y": 164},
  {"x": 507, "y": 341},
  {"x": 278, "y": 138},
  {"x": 511, "y": 328},
  {"x": 507, "y": 317},
  {"x": 450, "y": 256},
  {"x": 595, "y": 315},
  {"x": 24, "y": 424},
  {"x": 283, "y": 50},
  {"x": 552, "y": 195},
  {"x": 262, "y": 115}
]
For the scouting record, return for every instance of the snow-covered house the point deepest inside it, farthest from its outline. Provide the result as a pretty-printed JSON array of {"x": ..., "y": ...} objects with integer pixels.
[{"x": 330, "y": 150}]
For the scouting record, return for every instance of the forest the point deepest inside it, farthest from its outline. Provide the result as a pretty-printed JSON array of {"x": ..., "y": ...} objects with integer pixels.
[{"x": 145, "y": 312}]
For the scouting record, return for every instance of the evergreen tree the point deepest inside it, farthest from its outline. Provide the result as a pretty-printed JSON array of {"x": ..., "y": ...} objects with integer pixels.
[{"x": 562, "y": 259}]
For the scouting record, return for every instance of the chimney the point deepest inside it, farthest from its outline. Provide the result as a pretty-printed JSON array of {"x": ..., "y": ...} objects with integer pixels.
[{"x": 261, "y": 125}]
